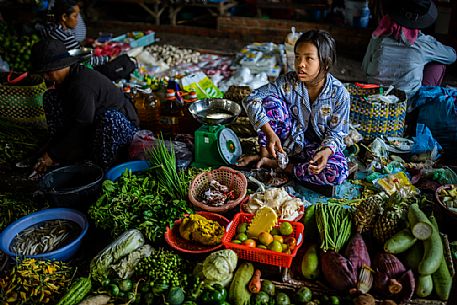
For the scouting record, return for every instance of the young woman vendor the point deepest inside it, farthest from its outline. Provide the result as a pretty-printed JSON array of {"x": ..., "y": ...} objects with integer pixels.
[{"x": 303, "y": 114}]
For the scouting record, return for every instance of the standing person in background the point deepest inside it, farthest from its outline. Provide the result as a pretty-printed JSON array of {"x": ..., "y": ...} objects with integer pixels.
[
  {"x": 65, "y": 21},
  {"x": 80, "y": 30},
  {"x": 399, "y": 54},
  {"x": 305, "y": 114}
]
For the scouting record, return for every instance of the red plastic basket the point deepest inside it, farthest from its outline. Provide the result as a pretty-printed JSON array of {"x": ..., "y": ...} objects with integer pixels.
[
  {"x": 231, "y": 178},
  {"x": 261, "y": 255},
  {"x": 174, "y": 239}
]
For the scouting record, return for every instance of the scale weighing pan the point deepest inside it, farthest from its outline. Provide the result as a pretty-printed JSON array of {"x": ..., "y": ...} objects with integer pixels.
[{"x": 215, "y": 111}]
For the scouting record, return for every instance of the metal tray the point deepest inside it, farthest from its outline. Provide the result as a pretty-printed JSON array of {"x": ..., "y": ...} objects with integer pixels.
[{"x": 214, "y": 111}]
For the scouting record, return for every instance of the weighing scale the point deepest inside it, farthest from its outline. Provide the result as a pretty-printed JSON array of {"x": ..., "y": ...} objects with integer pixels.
[{"x": 215, "y": 144}]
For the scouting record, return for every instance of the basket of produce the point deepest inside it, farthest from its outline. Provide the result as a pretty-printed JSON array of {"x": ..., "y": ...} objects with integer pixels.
[
  {"x": 197, "y": 233},
  {"x": 263, "y": 238},
  {"x": 219, "y": 190},
  {"x": 446, "y": 196},
  {"x": 54, "y": 234},
  {"x": 286, "y": 206}
]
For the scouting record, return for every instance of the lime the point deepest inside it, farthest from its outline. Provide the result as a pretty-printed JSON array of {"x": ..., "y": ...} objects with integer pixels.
[
  {"x": 303, "y": 295},
  {"x": 262, "y": 247},
  {"x": 275, "y": 246},
  {"x": 286, "y": 228},
  {"x": 334, "y": 300},
  {"x": 241, "y": 237},
  {"x": 275, "y": 231},
  {"x": 268, "y": 287},
  {"x": 236, "y": 241},
  {"x": 242, "y": 227}
]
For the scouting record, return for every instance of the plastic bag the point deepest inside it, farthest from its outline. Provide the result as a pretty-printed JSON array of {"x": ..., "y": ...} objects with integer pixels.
[
  {"x": 201, "y": 84},
  {"x": 424, "y": 141},
  {"x": 142, "y": 140},
  {"x": 397, "y": 183}
]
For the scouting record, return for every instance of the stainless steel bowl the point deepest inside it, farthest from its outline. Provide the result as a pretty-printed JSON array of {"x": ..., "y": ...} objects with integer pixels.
[
  {"x": 214, "y": 111},
  {"x": 83, "y": 52}
]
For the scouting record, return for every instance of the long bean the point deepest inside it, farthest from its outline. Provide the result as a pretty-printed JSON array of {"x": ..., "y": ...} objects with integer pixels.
[{"x": 334, "y": 225}]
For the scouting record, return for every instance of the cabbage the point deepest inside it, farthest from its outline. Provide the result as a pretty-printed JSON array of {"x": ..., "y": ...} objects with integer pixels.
[{"x": 219, "y": 266}]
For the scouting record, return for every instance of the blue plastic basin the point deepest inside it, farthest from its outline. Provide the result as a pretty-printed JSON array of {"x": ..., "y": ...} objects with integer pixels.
[
  {"x": 62, "y": 254},
  {"x": 135, "y": 166}
]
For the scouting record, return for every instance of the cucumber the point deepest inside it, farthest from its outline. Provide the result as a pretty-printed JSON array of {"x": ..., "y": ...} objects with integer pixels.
[
  {"x": 238, "y": 292},
  {"x": 424, "y": 286},
  {"x": 420, "y": 225},
  {"x": 442, "y": 281},
  {"x": 400, "y": 242},
  {"x": 414, "y": 256},
  {"x": 77, "y": 291},
  {"x": 433, "y": 252}
]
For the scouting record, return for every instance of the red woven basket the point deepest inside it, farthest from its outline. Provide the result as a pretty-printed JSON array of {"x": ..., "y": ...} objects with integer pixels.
[
  {"x": 227, "y": 176},
  {"x": 261, "y": 255},
  {"x": 174, "y": 239}
]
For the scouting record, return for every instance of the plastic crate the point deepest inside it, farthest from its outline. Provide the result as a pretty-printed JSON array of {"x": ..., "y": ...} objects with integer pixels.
[
  {"x": 147, "y": 39},
  {"x": 261, "y": 255}
]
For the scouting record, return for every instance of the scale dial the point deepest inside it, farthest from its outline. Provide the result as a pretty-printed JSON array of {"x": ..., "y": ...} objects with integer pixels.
[{"x": 229, "y": 146}]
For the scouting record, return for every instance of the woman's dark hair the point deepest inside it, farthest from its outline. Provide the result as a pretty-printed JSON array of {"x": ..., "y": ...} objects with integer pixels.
[
  {"x": 325, "y": 45},
  {"x": 62, "y": 7}
]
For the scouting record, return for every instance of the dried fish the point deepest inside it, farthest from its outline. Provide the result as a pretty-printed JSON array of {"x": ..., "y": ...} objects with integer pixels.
[{"x": 45, "y": 237}]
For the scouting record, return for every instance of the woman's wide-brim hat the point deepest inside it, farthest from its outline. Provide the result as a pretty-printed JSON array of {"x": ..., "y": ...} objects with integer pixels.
[
  {"x": 414, "y": 14},
  {"x": 50, "y": 55}
]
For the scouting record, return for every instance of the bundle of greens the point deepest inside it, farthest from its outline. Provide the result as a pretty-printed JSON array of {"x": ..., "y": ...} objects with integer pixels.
[
  {"x": 136, "y": 201},
  {"x": 168, "y": 176}
]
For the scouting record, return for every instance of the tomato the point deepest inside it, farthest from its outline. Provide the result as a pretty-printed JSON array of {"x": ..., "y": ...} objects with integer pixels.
[
  {"x": 291, "y": 242},
  {"x": 250, "y": 243}
]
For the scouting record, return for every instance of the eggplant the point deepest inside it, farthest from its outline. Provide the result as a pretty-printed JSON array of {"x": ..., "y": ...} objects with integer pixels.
[{"x": 338, "y": 271}]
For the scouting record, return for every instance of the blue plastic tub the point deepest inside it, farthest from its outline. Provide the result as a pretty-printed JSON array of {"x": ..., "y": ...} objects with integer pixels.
[
  {"x": 63, "y": 254},
  {"x": 135, "y": 166}
]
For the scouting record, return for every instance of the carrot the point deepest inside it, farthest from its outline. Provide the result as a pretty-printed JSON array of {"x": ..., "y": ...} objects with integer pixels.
[{"x": 255, "y": 284}]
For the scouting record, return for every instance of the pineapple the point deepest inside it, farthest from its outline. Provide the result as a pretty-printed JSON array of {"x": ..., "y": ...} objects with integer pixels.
[
  {"x": 367, "y": 212},
  {"x": 391, "y": 221}
]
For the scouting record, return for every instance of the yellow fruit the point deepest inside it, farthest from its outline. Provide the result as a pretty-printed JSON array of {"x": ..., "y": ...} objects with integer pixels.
[
  {"x": 286, "y": 228},
  {"x": 278, "y": 238},
  {"x": 265, "y": 238},
  {"x": 275, "y": 246},
  {"x": 284, "y": 247},
  {"x": 250, "y": 243},
  {"x": 310, "y": 263},
  {"x": 262, "y": 247}
]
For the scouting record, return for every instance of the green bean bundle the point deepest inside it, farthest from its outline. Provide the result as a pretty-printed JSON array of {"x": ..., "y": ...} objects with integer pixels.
[{"x": 334, "y": 225}]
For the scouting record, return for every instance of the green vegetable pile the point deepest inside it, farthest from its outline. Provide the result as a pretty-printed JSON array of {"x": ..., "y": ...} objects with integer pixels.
[
  {"x": 16, "y": 49},
  {"x": 13, "y": 207},
  {"x": 18, "y": 142},
  {"x": 164, "y": 269},
  {"x": 136, "y": 201}
]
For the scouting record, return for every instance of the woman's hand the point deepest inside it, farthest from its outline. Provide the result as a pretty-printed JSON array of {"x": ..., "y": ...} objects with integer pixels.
[
  {"x": 43, "y": 163},
  {"x": 261, "y": 161},
  {"x": 245, "y": 160},
  {"x": 273, "y": 141},
  {"x": 319, "y": 161}
]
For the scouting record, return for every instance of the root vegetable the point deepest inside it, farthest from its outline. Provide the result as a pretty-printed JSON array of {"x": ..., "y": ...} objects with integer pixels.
[
  {"x": 255, "y": 284},
  {"x": 365, "y": 299}
]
